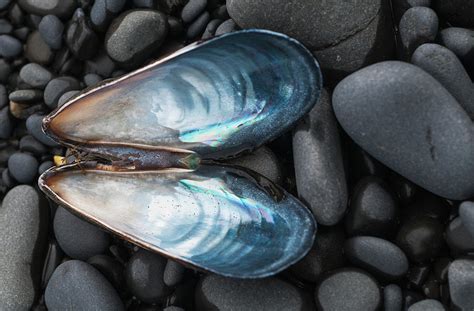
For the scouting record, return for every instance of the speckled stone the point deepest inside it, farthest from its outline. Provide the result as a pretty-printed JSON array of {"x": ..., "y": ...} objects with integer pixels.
[
  {"x": 407, "y": 120},
  {"x": 461, "y": 42},
  {"x": 418, "y": 25},
  {"x": 392, "y": 298},
  {"x": 319, "y": 170},
  {"x": 459, "y": 239},
  {"x": 461, "y": 283},
  {"x": 23, "y": 230},
  {"x": 192, "y": 10},
  {"x": 35, "y": 75}
]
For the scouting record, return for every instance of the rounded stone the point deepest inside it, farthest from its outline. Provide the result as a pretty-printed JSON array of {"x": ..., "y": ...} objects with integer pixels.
[
  {"x": 459, "y": 239},
  {"x": 10, "y": 47},
  {"x": 37, "y": 51},
  {"x": 427, "y": 304},
  {"x": 407, "y": 120},
  {"x": 198, "y": 26},
  {"x": 226, "y": 27},
  {"x": 461, "y": 42},
  {"x": 33, "y": 125},
  {"x": 57, "y": 87},
  {"x": 78, "y": 238},
  {"x": 418, "y": 25},
  {"x": 461, "y": 283},
  {"x": 466, "y": 213},
  {"x": 35, "y": 75},
  {"x": 23, "y": 167},
  {"x": 51, "y": 29},
  {"x": 60, "y": 8},
  {"x": 192, "y": 10},
  {"x": 392, "y": 298}
]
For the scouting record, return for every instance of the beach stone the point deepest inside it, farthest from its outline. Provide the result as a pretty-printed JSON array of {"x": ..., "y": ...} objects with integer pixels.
[
  {"x": 406, "y": 119},
  {"x": 6, "y": 124},
  {"x": 461, "y": 283},
  {"x": 418, "y": 25},
  {"x": 57, "y": 87},
  {"x": 198, "y": 26},
  {"x": 461, "y": 42},
  {"x": 466, "y": 213},
  {"x": 23, "y": 167},
  {"x": 33, "y": 125},
  {"x": 26, "y": 96},
  {"x": 35, "y": 75},
  {"x": 37, "y": 50},
  {"x": 459, "y": 239},
  {"x": 211, "y": 28},
  {"x": 51, "y": 29},
  {"x": 192, "y": 10},
  {"x": 10, "y": 47},
  {"x": 174, "y": 273},
  {"x": 226, "y": 27},
  {"x": 103, "y": 11},
  {"x": 392, "y": 298},
  {"x": 319, "y": 169},
  {"x": 427, "y": 304},
  {"x": 80, "y": 38},
  {"x": 60, "y": 8}
]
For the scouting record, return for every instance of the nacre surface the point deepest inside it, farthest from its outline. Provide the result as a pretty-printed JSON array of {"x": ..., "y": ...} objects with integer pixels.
[
  {"x": 217, "y": 98},
  {"x": 214, "y": 218}
]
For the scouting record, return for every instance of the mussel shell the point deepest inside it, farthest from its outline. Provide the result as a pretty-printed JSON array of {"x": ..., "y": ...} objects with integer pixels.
[
  {"x": 215, "y": 218},
  {"x": 217, "y": 98}
]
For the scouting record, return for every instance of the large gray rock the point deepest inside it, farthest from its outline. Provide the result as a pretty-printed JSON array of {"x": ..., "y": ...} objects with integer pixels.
[
  {"x": 363, "y": 38},
  {"x": 407, "y": 120},
  {"x": 320, "y": 177},
  {"x": 23, "y": 234}
]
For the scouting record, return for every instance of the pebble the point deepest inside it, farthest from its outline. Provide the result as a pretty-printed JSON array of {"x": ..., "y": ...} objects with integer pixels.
[
  {"x": 57, "y": 87},
  {"x": 3, "y": 96},
  {"x": 319, "y": 169},
  {"x": 6, "y": 124},
  {"x": 466, "y": 213},
  {"x": 80, "y": 38},
  {"x": 456, "y": 12},
  {"x": 91, "y": 79},
  {"x": 29, "y": 144},
  {"x": 5, "y": 27},
  {"x": 23, "y": 167},
  {"x": 461, "y": 283},
  {"x": 214, "y": 292},
  {"x": 192, "y": 10},
  {"x": 262, "y": 161},
  {"x": 5, "y": 70},
  {"x": 7, "y": 179},
  {"x": 60, "y": 8},
  {"x": 23, "y": 223},
  {"x": 376, "y": 255},
  {"x": 226, "y": 27},
  {"x": 53, "y": 259},
  {"x": 66, "y": 96},
  {"x": 361, "y": 291},
  {"x": 103, "y": 11},
  {"x": 144, "y": 276},
  {"x": 21, "y": 33},
  {"x": 461, "y": 42},
  {"x": 373, "y": 209},
  {"x": 78, "y": 238},
  {"x": 365, "y": 37},
  {"x": 173, "y": 273},
  {"x": 35, "y": 75},
  {"x": 198, "y": 26},
  {"x": 44, "y": 166},
  {"x": 427, "y": 304},
  {"x": 77, "y": 285},
  {"x": 10, "y": 47},
  {"x": 37, "y": 50},
  {"x": 111, "y": 268},
  {"x": 220, "y": 13},
  {"x": 420, "y": 238},
  {"x": 51, "y": 29},
  {"x": 33, "y": 125},
  {"x": 175, "y": 26},
  {"x": 211, "y": 28},
  {"x": 101, "y": 64},
  {"x": 445, "y": 67},
  {"x": 4, "y": 4},
  {"x": 325, "y": 255},
  {"x": 459, "y": 239},
  {"x": 405, "y": 118},
  {"x": 26, "y": 96},
  {"x": 122, "y": 43},
  {"x": 418, "y": 25},
  {"x": 392, "y": 298}
]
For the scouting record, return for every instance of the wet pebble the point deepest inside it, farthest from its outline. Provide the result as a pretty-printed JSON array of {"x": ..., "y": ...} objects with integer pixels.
[
  {"x": 214, "y": 292},
  {"x": 466, "y": 213},
  {"x": 192, "y": 10},
  {"x": 144, "y": 276},
  {"x": 226, "y": 27},
  {"x": 10, "y": 46},
  {"x": 57, "y": 87},
  {"x": 461, "y": 283},
  {"x": 427, "y": 304},
  {"x": 77, "y": 285},
  {"x": 33, "y": 125},
  {"x": 78, "y": 238},
  {"x": 459, "y": 239},
  {"x": 392, "y": 298},
  {"x": 198, "y": 26},
  {"x": 23, "y": 167},
  {"x": 376, "y": 255},
  {"x": 423, "y": 135},
  {"x": 51, "y": 29},
  {"x": 361, "y": 291},
  {"x": 373, "y": 209},
  {"x": 125, "y": 46},
  {"x": 60, "y": 8},
  {"x": 418, "y": 25},
  {"x": 319, "y": 170},
  {"x": 80, "y": 38},
  {"x": 35, "y": 75},
  {"x": 23, "y": 224}
]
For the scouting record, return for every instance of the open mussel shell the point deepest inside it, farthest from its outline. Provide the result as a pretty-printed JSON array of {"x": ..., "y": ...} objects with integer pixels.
[
  {"x": 216, "y": 218},
  {"x": 217, "y": 98}
]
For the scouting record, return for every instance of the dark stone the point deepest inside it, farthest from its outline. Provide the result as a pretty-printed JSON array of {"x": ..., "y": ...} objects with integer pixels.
[
  {"x": 60, "y": 8},
  {"x": 33, "y": 124},
  {"x": 423, "y": 135},
  {"x": 418, "y": 275},
  {"x": 420, "y": 238},
  {"x": 78, "y": 238},
  {"x": 38, "y": 51},
  {"x": 445, "y": 67},
  {"x": 51, "y": 29},
  {"x": 44, "y": 166},
  {"x": 401, "y": 6},
  {"x": 404, "y": 189},
  {"x": 103, "y": 11},
  {"x": 3, "y": 96},
  {"x": 4, "y": 4},
  {"x": 461, "y": 283},
  {"x": 411, "y": 297},
  {"x": 220, "y": 13},
  {"x": 26, "y": 96},
  {"x": 91, "y": 79},
  {"x": 373, "y": 209},
  {"x": 23, "y": 167},
  {"x": 198, "y": 26},
  {"x": 23, "y": 223},
  {"x": 35, "y": 75},
  {"x": 65, "y": 97},
  {"x": 5, "y": 70},
  {"x": 427, "y": 304},
  {"x": 144, "y": 276},
  {"x": 319, "y": 170},
  {"x": 173, "y": 273},
  {"x": 211, "y": 28},
  {"x": 214, "y": 292},
  {"x": 15, "y": 15},
  {"x": 348, "y": 289},
  {"x": 175, "y": 26},
  {"x": 466, "y": 213},
  {"x": 461, "y": 42},
  {"x": 7, "y": 179},
  {"x": 226, "y": 27},
  {"x": 77, "y": 285},
  {"x": 10, "y": 47},
  {"x": 392, "y": 298},
  {"x": 29, "y": 144},
  {"x": 101, "y": 64},
  {"x": 5, "y": 27},
  {"x": 57, "y": 87},
  {"x": 80, "y": 38},
  {"x": 325, "y": 255},
  {"x": 426, "y": 204},
  {"x": 459, "y": 239},
  {"x": 456, "y": 12},
  {"x": 6, "y": 124},
  {"x": 53, "y": 259},
  {"x": 21, "y": 33},
  {"x": 418, "y": 25},
  {"x": 111, "y": 268},
  {"x": 125, "y": 46},
  {"x": 192, "y": 10},
  {"x": 378, "y": 256}
]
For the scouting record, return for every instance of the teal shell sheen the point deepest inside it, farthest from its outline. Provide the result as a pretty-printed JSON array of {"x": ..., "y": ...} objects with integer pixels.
[{"x": 216, "y": 98}]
